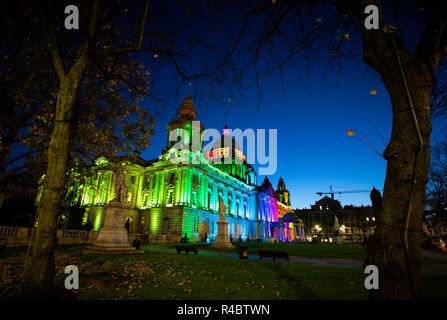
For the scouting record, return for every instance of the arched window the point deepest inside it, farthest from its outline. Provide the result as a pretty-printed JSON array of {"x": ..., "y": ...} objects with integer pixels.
[{"x": 170, "y": 195}]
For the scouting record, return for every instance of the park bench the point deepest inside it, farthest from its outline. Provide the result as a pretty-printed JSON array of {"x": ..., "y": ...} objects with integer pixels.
[
  {"x": 187, "y": 249},
  {"x": 273, "y": 254}
]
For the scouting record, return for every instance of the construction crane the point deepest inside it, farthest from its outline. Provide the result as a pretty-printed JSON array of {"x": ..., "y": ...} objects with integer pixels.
[{"x": 332, "y": 192}]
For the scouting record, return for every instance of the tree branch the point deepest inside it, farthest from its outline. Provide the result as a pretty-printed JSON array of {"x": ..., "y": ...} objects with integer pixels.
[
  {"x": 143, "y": 22},
  {"x": 53, "y": 44}
]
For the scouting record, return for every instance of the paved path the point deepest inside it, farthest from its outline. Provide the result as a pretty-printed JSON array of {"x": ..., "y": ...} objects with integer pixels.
[
  {"x": 434, "y": 269},
  {"x": 435, "y": 255}
]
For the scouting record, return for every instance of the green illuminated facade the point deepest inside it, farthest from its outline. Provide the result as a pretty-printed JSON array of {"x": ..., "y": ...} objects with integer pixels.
[{"x": 170, "y": 197}]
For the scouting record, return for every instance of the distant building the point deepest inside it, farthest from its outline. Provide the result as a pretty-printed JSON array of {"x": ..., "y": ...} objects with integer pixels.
[
  {"x": 434, "y": 229},
  {"x": 326, "y": 203},
  {"x": 354, "y": 223},
  {"x": 277, "y": 203},
  {"x": 433, "y": 225}
]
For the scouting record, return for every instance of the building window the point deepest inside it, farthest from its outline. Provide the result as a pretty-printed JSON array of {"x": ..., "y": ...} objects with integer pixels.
[
  {"x": 145, "y": 199},
  {"x": 152, "y": 196},
  {"x": 229, "y": 204},
  {"x": 171, "y": 179},
  {"x": 194, "y": 198},
  {"x": 210, "y": 196},
  {"x": 146, "y": 183},
  {"x": 170, "y": 195}
]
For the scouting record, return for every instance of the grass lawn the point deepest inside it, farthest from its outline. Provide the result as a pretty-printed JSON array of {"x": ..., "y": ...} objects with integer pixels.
[
  {"x": 310, "y": 250},
  {"x": 170, "y": 276},
  {"x": 317, "y": 250}
]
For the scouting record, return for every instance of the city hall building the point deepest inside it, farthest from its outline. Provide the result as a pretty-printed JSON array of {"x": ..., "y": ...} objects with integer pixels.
[{"x": 173, "y": 195}]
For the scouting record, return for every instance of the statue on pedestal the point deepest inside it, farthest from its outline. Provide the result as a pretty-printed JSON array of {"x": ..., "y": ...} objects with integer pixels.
[
  {"x": 113, "y": 237},
  {"x": 121, "y": 187},
  {"x": 223, "y": 209},
  {"x": 222, "y": 239}
]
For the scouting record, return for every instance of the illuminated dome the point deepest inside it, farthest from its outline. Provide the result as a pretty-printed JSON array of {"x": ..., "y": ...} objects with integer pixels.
[
  {"x": 227, "y": 155},
  {"x": 222, "y": 145}
]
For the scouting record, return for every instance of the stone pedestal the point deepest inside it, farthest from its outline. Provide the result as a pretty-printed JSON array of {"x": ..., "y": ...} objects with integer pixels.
[
  {"x": 113, "y": 238},
  {"x": 222, "y": 238}
]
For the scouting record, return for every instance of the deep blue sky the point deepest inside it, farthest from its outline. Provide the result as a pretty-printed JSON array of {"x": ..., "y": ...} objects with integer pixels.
[
  {"x": 312, "y": 114},
  {"x": 314, "y": 150}
]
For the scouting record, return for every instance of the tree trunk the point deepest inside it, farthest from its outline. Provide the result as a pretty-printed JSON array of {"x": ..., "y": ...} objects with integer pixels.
[
  {"x": 400, "y": 274},
  {"x": 39, "y": 283}
]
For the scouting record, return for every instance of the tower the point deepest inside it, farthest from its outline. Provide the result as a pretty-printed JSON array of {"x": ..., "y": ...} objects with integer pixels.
[
  {"x": 187, "y": 111},
  {"x": 282, "y": 193},
  {"x": 185, "y": 128}
]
